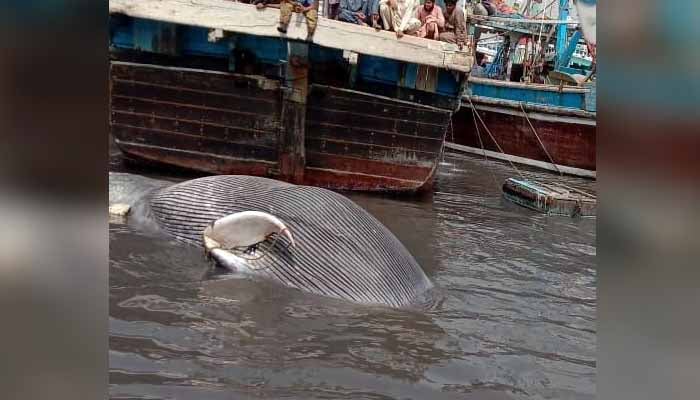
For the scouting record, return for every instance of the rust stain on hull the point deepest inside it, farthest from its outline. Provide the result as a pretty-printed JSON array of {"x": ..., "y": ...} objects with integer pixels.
[{"x": 569, "y": 144}]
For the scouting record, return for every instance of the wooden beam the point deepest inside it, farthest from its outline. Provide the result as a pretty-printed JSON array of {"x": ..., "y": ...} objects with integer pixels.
[
  {"x": 521, "y": 160},
  {"x": 246, "y": 19}
]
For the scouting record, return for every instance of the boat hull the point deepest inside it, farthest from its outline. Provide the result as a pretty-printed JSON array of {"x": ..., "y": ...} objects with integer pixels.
[
  {"x": 569, "y": 136},
  {"x": 226, "y": 123}
]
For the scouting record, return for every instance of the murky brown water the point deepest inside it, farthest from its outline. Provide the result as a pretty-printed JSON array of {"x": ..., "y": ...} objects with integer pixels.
[{"x": 516, "y": 320}]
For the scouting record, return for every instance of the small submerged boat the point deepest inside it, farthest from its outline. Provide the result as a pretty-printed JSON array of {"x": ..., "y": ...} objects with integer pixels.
[
  {"x": 551, "y": 199},
  {"x": 212, "y": 86}
]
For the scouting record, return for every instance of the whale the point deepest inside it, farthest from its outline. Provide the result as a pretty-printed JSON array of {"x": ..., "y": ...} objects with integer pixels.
[{"x": 303, "y": 237}]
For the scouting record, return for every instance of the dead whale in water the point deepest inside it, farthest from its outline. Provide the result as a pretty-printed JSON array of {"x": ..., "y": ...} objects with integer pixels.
[{"x": 304, "y": 237}]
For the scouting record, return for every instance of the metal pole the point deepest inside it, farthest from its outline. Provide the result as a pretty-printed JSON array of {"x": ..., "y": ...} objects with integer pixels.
[{"x": 561, "y": 29}]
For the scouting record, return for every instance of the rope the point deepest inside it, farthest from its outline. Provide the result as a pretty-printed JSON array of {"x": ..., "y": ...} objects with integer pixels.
[
  {"x": 540, "y": 141},
  {"x": 494, "y": 139},
  {"x": 481, "y": 143}
]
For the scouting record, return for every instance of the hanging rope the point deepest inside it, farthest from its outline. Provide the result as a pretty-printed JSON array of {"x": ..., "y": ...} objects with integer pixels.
[
  {"x": 481, "y": 143},
  {"x": 538, "y": 139},
  {"x": 494, "y": 139}
]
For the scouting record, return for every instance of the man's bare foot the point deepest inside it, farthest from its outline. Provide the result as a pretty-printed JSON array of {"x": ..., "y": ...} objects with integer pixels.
[{"x": 399, "y": 34}]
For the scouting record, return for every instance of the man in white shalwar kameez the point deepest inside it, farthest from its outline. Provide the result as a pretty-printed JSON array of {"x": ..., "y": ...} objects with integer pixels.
[{"x": 400, "y": 15}]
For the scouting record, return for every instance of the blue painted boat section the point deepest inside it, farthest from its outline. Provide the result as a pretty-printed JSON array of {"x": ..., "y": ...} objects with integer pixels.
[
  {"x": 141, "y": 34},
  {"x": 529, "y": 95}
]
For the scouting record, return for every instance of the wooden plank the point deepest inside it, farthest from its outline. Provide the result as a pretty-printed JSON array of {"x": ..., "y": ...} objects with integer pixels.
[
  {"x": 368, "y": 106},
  {"x": 343, "y": 180},
  {"x": 232, "y": 135},
  {"x": 404, "y": 127},
  {"x": 542, "y": 108},
  {"x": 292, "y": 135},
  {"x": 370, "y": 136},
  {"x": 194, "y": 160},
  {"x": 379, "y": 99},
  {"x": 521, "y": 160},
  {"x": 178, "y": 141},
  {"x": 196, "y": 79},
  {"x": 183, "y": 95},
  {"x": 529, "y": 86},
  {"x": 246, "y": 19},
  {"x": 196, "y": 113},
  {"x": 371, "y": 152},
  {"x": 367, "y": 167}
]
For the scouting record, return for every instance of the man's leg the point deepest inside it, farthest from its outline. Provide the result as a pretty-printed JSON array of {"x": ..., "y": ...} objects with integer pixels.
[
  {"x": 286, "y": 9},
  {"x": 386, "y": 14},
  {"x": 448, "y": 37},
  {"x": 311, "y": 19}
]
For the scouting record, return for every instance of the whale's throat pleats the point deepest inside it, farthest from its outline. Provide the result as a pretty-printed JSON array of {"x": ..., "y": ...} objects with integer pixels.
[{"x": 338, "y": 250}]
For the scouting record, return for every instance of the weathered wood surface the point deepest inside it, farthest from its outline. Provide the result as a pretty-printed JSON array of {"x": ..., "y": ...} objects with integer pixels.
[
  {"x": 540, "y": 108},
  {"x": 178, "y": 116},
  {"x": 519, "y": 160},
  {"x": 246, "y": 19},
  {"x": 292, "y": 150},
  {"x": 569, "y": 144},
  {"x": 549, "y": 199},
  {"x": 531, "y": 86},
  {"x": 225, "y": 123},
  {"x": 372, "y": 140}
]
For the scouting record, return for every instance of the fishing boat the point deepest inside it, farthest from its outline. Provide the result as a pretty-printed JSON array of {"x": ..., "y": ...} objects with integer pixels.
[
  {"x": 506, "y": 115},
  {"x": 212, "y": 86}
]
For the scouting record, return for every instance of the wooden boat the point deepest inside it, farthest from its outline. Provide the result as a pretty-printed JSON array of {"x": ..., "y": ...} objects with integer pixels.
[
  {"x": 550, "y": 199},
  {"x": 543, "y": 125},
  {"x": 212, "y": 86}
]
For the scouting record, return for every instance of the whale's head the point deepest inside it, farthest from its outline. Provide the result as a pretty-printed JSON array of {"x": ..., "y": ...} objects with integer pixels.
[{"x": 246, "y": 241}]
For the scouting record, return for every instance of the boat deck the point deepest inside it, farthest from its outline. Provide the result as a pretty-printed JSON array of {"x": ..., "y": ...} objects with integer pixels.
[{"x": 223, "y": 17}]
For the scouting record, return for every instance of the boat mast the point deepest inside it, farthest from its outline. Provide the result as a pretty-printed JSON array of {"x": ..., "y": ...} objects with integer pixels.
[{"x": 561, "y": 29}]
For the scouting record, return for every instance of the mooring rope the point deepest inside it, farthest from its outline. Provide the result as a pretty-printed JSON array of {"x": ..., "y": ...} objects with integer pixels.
[
  {"x": 494, "y": 139},
  {"x": 483, "y": 149},
  {"x": 539, "y": 140}
]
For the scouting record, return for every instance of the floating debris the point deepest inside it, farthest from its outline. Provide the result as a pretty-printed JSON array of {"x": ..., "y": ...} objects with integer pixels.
[
  {"x": 550, "y": 199},
  {"x": 119, "y": 209}
]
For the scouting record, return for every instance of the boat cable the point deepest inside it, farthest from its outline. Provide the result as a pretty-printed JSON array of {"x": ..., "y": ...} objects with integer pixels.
[
  {"x": 481, "y": 143},
  {"x": 551, "y": 160},
  {"x": 493, "y": 138}
]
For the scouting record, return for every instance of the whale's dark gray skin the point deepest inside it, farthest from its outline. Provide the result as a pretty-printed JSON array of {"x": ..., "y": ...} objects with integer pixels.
[{"x": 339, "y": 249}]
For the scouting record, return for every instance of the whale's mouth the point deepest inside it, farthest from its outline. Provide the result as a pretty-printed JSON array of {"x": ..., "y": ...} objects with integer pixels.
[{"x": 239, "y": 241}]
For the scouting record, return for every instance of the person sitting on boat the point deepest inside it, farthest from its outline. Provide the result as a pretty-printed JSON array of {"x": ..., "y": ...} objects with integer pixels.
[
  {"x": 307, "y": 7},
  {"x": 361, "y": 12},
  {"x": 455, "y": 30},
  {"x": 400, "y": 16},
  {"x": 431, "y": 19}
]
